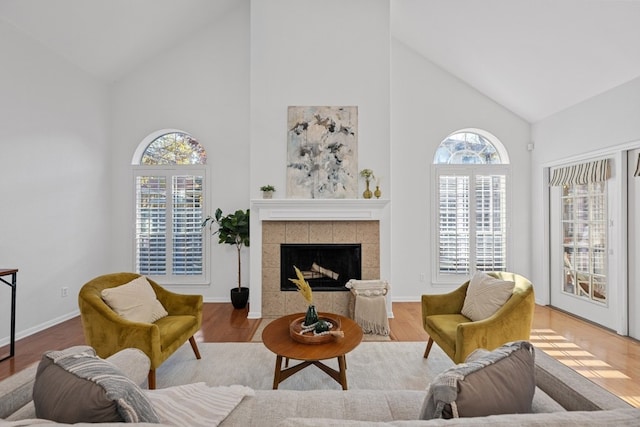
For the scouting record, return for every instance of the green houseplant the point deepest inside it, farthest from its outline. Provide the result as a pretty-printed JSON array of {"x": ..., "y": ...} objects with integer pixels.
[
  {"x": 233, "y": 229},
  {"x": 267, "y": 191}
]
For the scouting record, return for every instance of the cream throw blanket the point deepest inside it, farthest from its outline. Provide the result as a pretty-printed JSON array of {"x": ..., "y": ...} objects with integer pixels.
[
  {"x": 370, "y": 310},
  {"x": 196, "y": 405}
]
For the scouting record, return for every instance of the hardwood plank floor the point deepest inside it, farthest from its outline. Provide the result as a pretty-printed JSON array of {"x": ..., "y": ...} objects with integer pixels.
[{"x": 600, "y": 355}]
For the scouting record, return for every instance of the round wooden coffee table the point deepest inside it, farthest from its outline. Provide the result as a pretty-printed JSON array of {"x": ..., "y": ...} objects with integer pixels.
[{"x": 276, "y": 338}]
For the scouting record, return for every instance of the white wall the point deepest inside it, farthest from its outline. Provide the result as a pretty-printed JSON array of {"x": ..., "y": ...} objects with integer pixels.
[
  {"x": 600, "y": 123},
  {"x": 229, "y": 86},
  {"x": 54, "y": 178},
  {"x": 427, "y": 105},
  {"x": 305, "y": 53},
  {"x": 200, "y": 87}
]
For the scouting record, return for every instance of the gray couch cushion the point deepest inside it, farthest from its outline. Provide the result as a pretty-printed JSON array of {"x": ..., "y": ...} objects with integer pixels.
[
  {"x": 488, "y": 383},
  {"x": 75, "y": 385},
  {"x": 570, "y": 389},
  {"x": 15, "y": 391},
  {"x": 618, "y": 418},
  {"x": 270, "y": 407}
]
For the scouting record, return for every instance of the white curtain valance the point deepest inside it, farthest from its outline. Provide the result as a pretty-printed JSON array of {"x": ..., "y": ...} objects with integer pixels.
[{"x": 583, "y": 173}]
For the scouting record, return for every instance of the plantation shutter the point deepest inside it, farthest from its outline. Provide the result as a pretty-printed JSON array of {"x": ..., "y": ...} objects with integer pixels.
[
  {"x": 169, "y": 214},
  {"x": 454, "y": 216},
  {"x": 491, "y": 223},
  {"x": 464, "y": 244},
  {"x": 187, "y": 228},
  {"x": 151, "y": 225}
]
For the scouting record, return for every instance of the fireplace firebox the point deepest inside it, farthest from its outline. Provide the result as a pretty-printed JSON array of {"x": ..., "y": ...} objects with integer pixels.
[{"x": 326, "y": 267}]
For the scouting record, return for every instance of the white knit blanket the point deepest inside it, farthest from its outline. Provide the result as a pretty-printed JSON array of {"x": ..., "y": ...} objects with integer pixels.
[
  {"x": 195, "y": 405},
  {"x": 370, "y": 310}
]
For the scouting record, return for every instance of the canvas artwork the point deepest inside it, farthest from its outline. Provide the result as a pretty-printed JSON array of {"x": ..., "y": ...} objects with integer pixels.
[{"x": 322, "y": 152}]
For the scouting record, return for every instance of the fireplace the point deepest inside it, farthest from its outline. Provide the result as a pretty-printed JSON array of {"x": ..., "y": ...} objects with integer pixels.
[
  {"x": 326, "y": 267},
  {"x": 275, "y": 222}
]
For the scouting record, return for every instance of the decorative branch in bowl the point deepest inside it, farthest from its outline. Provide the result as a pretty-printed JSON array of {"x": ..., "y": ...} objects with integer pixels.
[{"x": 312, "y": 322}]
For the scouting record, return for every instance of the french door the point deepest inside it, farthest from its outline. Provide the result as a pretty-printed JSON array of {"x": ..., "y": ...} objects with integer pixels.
[{"x": 583, "y": 264}]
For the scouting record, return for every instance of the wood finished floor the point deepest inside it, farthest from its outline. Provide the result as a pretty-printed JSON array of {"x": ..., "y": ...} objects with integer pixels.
[{"x": 600, "y": 355}]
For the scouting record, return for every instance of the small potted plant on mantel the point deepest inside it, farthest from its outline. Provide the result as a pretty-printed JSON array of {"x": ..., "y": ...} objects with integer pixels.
[
  {"x": 233, "y": 229},
  {"x": 267, "y": 191}
]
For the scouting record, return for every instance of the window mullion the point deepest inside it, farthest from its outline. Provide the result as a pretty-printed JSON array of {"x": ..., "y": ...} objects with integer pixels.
[{"x": 473, "y": 219}]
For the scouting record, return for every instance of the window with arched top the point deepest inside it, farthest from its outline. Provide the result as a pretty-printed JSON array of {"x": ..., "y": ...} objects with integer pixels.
[
  {"x": 169, "y": 173},
  {"x": 174, "y": 148},
  {"x": 471, "y": 217},
  {"x": 469, "y": 147}
]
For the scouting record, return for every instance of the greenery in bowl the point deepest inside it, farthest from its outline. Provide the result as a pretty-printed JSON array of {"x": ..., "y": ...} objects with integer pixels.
[{"x": 267, "y": 188}]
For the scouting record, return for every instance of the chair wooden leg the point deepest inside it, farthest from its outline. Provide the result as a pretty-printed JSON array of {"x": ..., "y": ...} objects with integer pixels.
[
  {"x": 152, "y": 379},
  {"x": 194, "y": 346},
  {"x": 428, "y": 349}
]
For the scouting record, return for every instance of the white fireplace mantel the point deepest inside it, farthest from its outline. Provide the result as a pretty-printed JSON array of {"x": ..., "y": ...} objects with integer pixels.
[
  {"x": 318, "y": 209},
  {"x": 310, "y": 210}
]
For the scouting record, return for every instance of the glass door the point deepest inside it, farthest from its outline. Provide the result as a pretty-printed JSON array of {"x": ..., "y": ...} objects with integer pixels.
[{"x": 580, "y": 251}]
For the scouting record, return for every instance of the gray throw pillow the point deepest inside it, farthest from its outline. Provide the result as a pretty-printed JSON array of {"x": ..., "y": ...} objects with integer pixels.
[
  {"x": 488, "y": 383},
  {"x": 75, "y": 385}
]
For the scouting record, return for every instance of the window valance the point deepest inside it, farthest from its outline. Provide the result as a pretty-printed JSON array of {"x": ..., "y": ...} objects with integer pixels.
[{"x": 583, "y": 173}]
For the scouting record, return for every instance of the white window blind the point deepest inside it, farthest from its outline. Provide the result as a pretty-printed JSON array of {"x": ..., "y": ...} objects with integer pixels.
[
  {"x": 151, "y": 225},
  {"x": 169, "y": 214},
  {"x": 454, "y": 214},
  {"x": 472, "y": 232},
  {"x": 491, "y": 223},
  {"x": 186, "y": 225}
]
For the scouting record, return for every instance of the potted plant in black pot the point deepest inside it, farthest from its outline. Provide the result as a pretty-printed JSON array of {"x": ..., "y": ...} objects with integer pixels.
[{"x": 233, "y": 229}]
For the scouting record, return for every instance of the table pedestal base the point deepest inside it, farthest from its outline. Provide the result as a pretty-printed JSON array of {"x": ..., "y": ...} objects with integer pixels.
[{"x": 282, "y": 374}]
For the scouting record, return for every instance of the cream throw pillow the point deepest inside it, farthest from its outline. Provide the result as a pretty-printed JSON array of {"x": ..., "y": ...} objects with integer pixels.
[
  {"x": 136, "y": 301},
  {"x": 485, "y": 295}
]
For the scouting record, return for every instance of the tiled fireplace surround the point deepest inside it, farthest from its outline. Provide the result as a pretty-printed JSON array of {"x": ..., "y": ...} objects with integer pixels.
[{"x": 274, "y": 222}]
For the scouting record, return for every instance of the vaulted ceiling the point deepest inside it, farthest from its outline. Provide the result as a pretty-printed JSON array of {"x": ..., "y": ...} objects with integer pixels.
[{"x": 534, "y": 57}]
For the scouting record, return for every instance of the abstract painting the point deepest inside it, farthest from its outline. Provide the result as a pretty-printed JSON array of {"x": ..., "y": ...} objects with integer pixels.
[{"x": 322, "y": 153}]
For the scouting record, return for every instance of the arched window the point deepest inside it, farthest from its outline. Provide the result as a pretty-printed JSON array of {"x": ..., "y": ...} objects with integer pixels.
[
  {"x": 169, "y": 171},
  {"x": 471, "y": 180}
]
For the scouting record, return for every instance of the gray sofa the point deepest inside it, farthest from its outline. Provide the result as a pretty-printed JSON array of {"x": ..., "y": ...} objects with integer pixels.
[{"x": 562, "y": 398}]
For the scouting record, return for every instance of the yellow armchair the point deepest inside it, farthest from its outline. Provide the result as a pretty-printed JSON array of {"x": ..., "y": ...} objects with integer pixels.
[
  {"x": 459, "y": 336},
  {"x": 108, "y": 333}
]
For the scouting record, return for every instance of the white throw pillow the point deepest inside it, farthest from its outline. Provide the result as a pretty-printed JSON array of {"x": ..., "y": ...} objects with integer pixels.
[
  {"x": 136, "y": 301},
  {"x": 485, "y": 295}
]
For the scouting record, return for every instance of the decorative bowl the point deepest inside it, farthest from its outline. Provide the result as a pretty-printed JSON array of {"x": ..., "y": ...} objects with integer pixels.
[{"x": 295, "y": 330}]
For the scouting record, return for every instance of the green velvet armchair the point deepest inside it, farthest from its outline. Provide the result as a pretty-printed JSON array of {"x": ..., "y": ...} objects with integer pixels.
[
  {"x": 459, "y": 336},
  {"x": 108, "y": 333}
]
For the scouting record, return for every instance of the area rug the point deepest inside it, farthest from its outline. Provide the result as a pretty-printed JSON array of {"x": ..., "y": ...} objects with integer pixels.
[
  {"x": 257, "y": 336},
  {"x": 371, "y": 365}
]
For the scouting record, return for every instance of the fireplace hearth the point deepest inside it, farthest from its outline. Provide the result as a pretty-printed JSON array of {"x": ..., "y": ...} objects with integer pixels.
[{"x": 326, "y": 267}]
